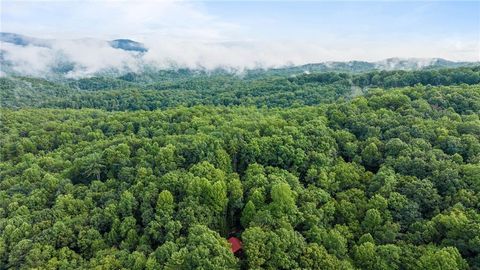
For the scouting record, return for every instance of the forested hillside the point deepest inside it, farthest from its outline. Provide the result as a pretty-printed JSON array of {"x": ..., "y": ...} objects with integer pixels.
[
  {"x": 377, "y": 170},
  {"x": 169, "y": 89}
]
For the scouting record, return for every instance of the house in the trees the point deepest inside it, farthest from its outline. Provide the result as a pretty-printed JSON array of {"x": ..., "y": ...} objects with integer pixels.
[{"x": 236, "y": 245}]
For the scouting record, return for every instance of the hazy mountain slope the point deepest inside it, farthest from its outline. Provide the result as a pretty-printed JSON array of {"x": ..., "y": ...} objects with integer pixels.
[
  {"x": 167, "y": 89},
  {"x": 50, "y": 58}
]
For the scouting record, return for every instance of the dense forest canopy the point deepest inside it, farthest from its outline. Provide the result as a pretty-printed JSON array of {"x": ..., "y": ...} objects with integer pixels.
[
  {"x": 188, "y": 88},
  {"x": 376, "y": 170}
]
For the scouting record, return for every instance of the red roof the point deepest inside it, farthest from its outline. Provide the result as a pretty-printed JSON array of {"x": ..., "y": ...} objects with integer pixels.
[{"x": 236, "y": 244}]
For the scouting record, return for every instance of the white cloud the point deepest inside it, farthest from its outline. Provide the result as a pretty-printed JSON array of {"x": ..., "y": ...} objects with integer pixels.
[
  {"x": 113, "y": 19},
  {"x": 30, "y": 60},
  {"x": 91, "y": 56},
  {"x": 183, "y": 34}
]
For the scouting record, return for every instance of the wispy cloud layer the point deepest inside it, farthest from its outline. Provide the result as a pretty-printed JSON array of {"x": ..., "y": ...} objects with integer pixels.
[{"x": 189, "y": 34}]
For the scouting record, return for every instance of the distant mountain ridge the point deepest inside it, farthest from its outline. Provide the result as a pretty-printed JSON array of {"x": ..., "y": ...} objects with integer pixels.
[
  {"x": 128, "y": 45},
  {"x": 21, "y": 40},
  {"x": 387, "y": 64},
  {"x": 37, "y": 57}
]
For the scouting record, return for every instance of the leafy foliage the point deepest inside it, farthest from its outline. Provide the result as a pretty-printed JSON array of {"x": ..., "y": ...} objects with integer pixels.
[
  {"x": 386, "y": 180},
  {"x": 169, "y": 89}
]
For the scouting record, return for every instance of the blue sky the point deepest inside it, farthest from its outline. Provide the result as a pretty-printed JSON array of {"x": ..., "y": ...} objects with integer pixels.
[
  {"x": 300, "y": 31},
  {"x": 370, "y": 19}
]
